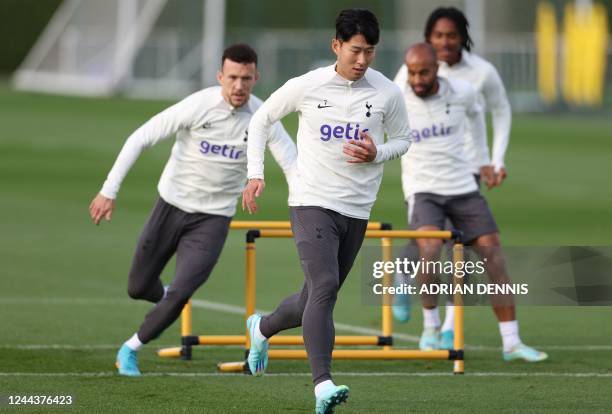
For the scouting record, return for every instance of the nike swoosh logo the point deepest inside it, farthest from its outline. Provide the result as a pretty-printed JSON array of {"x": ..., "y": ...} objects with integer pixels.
[{"x": 321, "y": 107}]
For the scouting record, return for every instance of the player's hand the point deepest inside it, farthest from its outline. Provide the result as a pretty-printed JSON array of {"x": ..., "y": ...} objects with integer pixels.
[
  {"x": 488, "y": 176},
  {"x": 253, "y": 189},
  {"x": 500, "y": 176},
  {"x": 101, "y": 207},
  {"x": 363, "y": 150}
]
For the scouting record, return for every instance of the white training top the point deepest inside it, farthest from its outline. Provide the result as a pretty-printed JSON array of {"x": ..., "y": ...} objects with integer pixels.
[
  {"x": 437, "y": 162},
  {"x": 206, "y": 171},
  {"x": 332, "y": 111},
  {"x": 483, "y": 76}
]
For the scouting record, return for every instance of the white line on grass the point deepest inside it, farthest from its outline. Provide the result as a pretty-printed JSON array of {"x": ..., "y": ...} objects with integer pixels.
[
  {"x": 547, "y": 348},
  {"x": 308, "y": 374},
  {"x": 88, "y": 347},
  {"x": 239, "y": 310},
  {"x": 473, "y": 348},
  {"x": 197, "y": 303},
  {"x": 69, "y": 301}
]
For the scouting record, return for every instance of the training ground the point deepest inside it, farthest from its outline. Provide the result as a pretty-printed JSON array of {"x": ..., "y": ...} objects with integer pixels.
[{"x": 64, "y": 308}]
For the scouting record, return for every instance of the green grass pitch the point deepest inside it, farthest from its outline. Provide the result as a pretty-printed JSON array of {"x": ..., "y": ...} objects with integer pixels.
[{"x": 64, "y": 309}]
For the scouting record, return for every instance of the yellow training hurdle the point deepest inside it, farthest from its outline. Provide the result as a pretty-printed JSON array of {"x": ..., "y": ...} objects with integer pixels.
[
  {"x": 281, "y": 229},
  {"x": 189, "y": 340}
]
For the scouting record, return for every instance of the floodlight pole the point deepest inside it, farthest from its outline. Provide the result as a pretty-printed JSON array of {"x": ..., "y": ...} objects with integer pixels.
[
  {"x": 213, "y": 39},
  {"x": 127, "y": 14},
  {"x": 475, "y": 13},
  {"x": 134, "y": 38}
]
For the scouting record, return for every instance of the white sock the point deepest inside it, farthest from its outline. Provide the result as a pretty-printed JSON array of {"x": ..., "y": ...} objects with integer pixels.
[
  {"x": 258, "y": 335},
  {"x": 321, "y": 387},
  {"x": 510, "y": 334},
  {"x": 134, "y": 343},
  {"x": 431, "y": 318},
  {"x": 449, "y": 318}
]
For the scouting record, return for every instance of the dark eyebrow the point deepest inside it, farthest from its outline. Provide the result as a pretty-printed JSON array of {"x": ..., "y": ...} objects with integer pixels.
[{"x": 362, "y": 48}]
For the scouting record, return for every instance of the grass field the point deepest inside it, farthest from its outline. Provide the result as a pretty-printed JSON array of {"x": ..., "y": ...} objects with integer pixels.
[{"x": 64, "y": 309}]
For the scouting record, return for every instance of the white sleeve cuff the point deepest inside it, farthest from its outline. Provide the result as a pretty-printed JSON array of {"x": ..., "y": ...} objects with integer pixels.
[{"x": 108, "y": 192}]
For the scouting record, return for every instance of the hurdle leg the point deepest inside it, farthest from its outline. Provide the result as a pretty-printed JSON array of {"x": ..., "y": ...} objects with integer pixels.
[
  {"x": 387, "y": 316},
  {"x": 459, "y": 344},
  {"x": 186, "y": 329},
  {"x": 250, "y": 290}
]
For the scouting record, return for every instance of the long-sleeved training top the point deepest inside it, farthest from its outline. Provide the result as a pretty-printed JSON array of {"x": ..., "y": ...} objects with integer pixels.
[
  {"x": 437, "y": 162},
  {"x": 332, "y": 112},
  {"x": 483, "y": 76},
  {"x": 206, "y": 171}
]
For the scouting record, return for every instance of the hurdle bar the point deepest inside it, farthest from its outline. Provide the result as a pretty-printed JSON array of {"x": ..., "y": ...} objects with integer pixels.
[
  {"x": 286, "y": 225},
  {"x": 188, "y": 340},
  {"x": 387, "y": 353}
]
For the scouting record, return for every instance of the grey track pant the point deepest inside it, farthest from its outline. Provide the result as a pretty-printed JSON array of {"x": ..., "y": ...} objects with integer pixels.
[
  {"x": 327, "y": 243},
  {"x": 196, "y": 238}
]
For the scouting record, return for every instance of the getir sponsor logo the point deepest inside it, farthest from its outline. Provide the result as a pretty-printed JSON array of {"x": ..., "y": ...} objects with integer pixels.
[
  {"x": 348, "y": 131},
  {"x": 228, "y": 151},
  {"x": 435, "y": 131}
]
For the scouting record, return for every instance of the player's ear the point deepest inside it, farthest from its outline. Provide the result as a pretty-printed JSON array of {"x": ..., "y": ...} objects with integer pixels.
[
  {"x": 335, "y": 45},
  {"x": 219, "y": 77},
  {"x": 256, "y": 76}
]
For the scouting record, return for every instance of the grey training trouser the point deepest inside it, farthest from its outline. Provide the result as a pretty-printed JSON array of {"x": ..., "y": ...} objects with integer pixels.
[
  {"x": 196, "y": 238},
  {"x": 327, "y": 243}
]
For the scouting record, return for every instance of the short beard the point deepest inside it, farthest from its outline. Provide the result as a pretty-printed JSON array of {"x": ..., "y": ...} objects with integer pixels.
[{"x": 427, "y": 92}]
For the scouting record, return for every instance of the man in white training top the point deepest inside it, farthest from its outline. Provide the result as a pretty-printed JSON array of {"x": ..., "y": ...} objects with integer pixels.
[
  {"x": 447, "y": 30},
  {"x": 198, "y": 190},
  {"x": 438, "y": 185},
  {"x": 344, "y": 112}
]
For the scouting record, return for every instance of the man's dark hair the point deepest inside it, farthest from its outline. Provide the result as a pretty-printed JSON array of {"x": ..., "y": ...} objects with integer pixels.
[
  {"x": 239, "y": 53},
  {"x": 351, "y": 22},
  {"x": 457, "y": 17}
]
